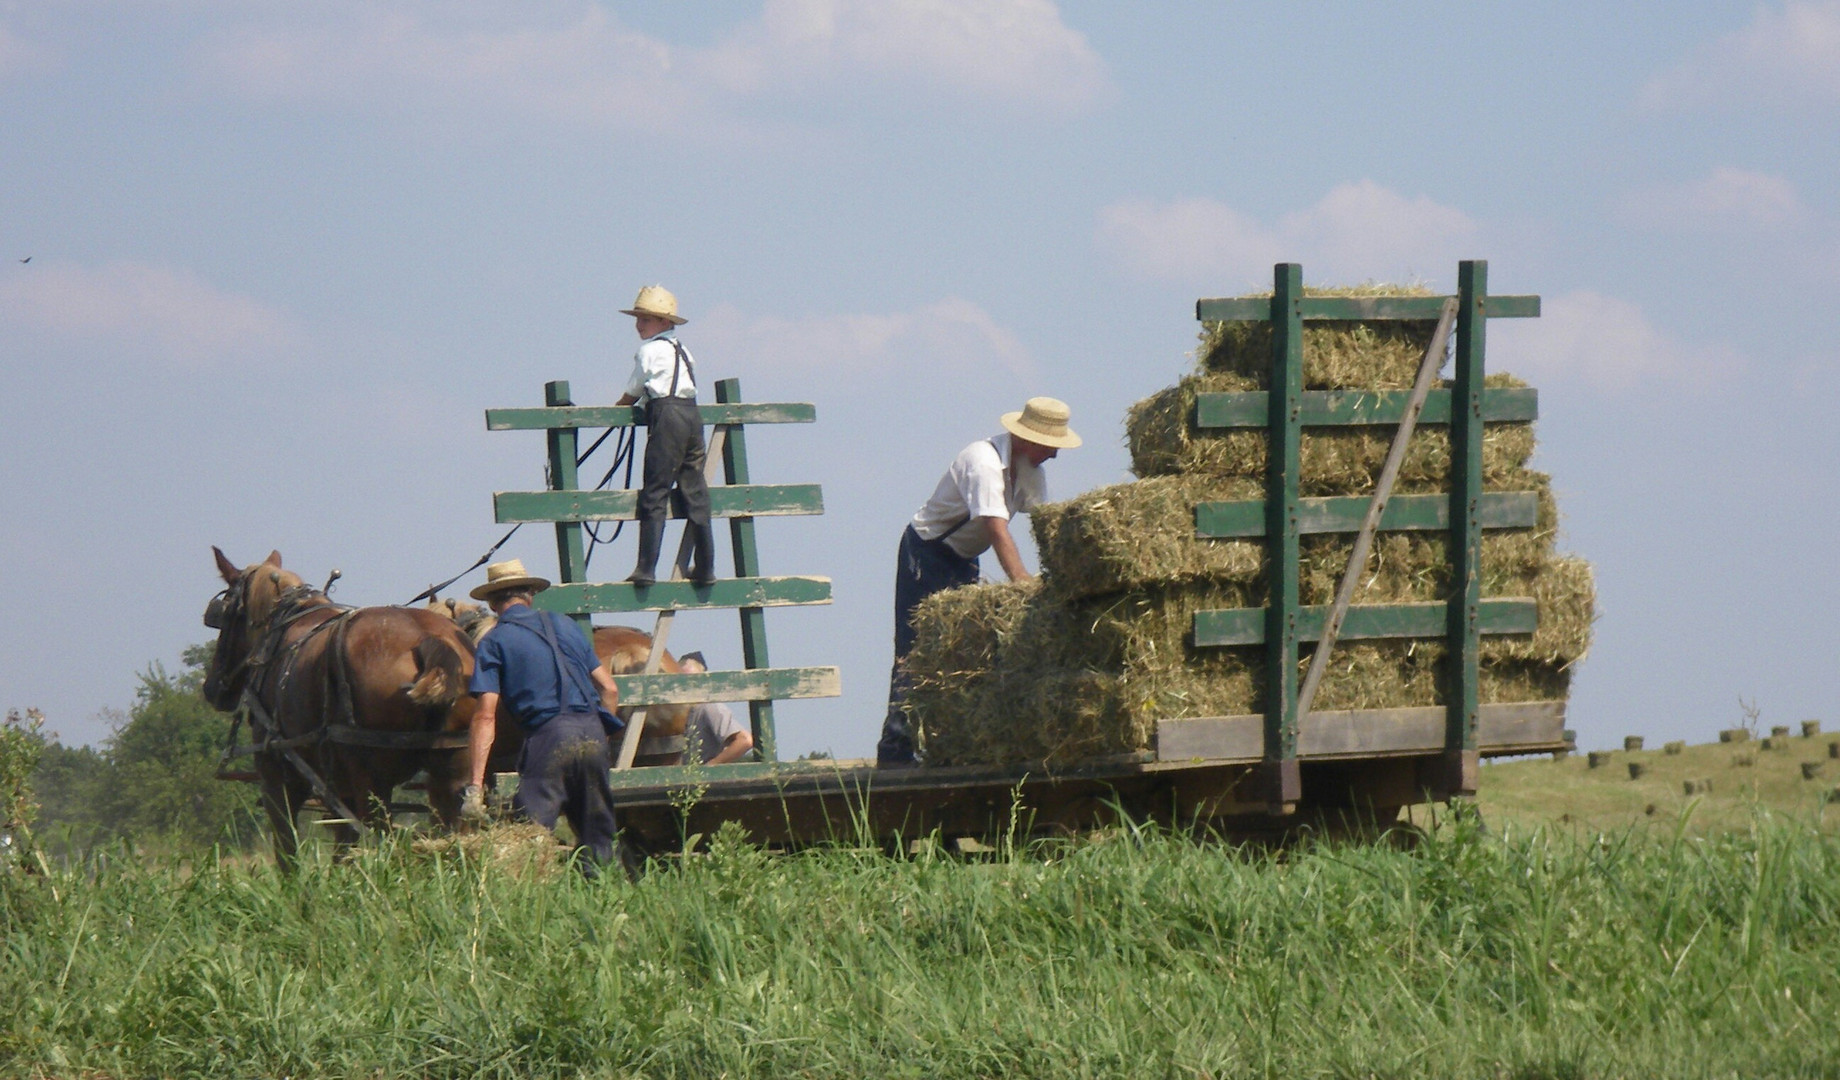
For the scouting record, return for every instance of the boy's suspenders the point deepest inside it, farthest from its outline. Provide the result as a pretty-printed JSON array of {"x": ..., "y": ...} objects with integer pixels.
[{"x": 683, "y": 361}]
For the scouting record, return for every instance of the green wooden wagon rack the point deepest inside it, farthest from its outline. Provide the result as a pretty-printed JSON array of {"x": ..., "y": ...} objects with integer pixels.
[{"x": 1255, "y": 774}]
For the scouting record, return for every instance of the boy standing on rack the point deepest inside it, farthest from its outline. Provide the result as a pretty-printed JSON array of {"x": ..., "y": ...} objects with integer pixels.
[{"x": 664, "y": 382}]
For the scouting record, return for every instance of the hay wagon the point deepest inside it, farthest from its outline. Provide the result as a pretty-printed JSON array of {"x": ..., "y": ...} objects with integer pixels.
[{"x": 1261, "y": 772}]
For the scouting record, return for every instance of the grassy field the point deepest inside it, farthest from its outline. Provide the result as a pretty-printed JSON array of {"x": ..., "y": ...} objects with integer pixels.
[
  {"x": 1505, "y": 953},
  {"x": 1570, "y": 792}
]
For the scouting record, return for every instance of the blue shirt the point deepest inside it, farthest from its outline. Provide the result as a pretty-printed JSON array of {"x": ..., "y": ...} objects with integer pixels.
[{"x": 514, "y": 661}]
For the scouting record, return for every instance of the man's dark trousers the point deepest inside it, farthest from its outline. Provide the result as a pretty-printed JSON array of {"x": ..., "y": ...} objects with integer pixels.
[
  {"x": 674, "y": 456},
  {"x": 923, "y": 568},
  {"x": 562, "y": 771}
]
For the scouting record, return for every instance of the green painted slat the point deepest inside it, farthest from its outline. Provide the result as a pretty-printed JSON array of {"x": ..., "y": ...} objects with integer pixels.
[
  {"x": 756, "y": 685},
  {"x": 747, "y": 564},
  {"x": 1463, "y": 620},
  {"x": 682, "y": 595},
  {"x": 748, "y": 500},
  {"x": 1283, "y": 469},
  {"x": 1246, "y": 626},
  {"x": 1333, "y": 408},
  {"x": 600, "y": 416},
  {"x": 1349, "y": 308},
  {"x": 1343, "y": 513},
  {"x": 571, "y": 557}
]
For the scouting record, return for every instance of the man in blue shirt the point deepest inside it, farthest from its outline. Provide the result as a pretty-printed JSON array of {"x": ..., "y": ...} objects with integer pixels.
[{"x": 540, "y": 666}]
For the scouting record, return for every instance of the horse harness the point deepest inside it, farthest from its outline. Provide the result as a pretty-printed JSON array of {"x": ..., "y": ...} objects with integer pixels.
[{"x": 291, "y": 607}]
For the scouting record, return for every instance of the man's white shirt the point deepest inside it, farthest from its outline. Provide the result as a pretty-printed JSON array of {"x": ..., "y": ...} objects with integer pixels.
[
  {"x": 652, "y": 366},
  {"x": 978, "y": 485}
]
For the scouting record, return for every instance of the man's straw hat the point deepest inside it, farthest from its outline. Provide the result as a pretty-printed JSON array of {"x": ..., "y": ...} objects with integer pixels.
[
  {"x": 1043, "y": 421},
  {"x": 656, "y": 300},
  {"x": 508, "y": 575}
]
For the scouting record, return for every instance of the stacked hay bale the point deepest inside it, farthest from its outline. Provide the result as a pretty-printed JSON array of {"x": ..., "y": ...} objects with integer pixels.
[{"x": 1084, "y": 661}]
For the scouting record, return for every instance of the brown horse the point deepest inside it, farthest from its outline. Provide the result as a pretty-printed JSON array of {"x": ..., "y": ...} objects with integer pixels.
[
  {"x": 358, "y": 694},
  {"x": 622, "y": 649}
]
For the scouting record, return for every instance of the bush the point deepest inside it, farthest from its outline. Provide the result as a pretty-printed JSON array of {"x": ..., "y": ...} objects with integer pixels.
[{"x": 153, "y": 782}]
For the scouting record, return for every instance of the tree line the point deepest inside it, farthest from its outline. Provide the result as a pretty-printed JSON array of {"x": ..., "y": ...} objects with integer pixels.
[{"x": 151, "y": 783}]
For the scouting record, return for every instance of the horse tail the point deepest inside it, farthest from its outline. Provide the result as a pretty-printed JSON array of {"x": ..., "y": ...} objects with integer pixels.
[{"x": 439, "y": 679}]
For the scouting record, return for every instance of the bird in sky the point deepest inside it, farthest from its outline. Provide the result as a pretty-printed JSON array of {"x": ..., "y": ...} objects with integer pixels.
[{"x": 25, "y": 260}]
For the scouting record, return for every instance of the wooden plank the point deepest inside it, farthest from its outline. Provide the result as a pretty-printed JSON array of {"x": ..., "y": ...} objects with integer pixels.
[
  {"x": 682, "y": 595},
  {"x": 571, "y": 558},
  {"x": 1245, "y": 518},
  {"x": 747, "y": 564},
  {"x": 1370, "y": 522},
  {"x": 1278, "y": 623},
  {"x": 600, "y": 416},
  {"x": 1358, "y": 733},
  {"x": 1359, "y": 308},
  {"x": 1247, "y": 626},
  {"x": 775, "y": 683},
  {"x": 1338, "y": 408},
  {"x": 751, "y": 500},
  {"x": 1463, "y": 615}
]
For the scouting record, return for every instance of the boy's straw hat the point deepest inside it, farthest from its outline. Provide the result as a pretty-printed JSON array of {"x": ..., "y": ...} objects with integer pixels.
[
  {"x": 656, "y": 300},
  {"x": 1043, "y": 421},
  {"x": 508, "y": 575}
]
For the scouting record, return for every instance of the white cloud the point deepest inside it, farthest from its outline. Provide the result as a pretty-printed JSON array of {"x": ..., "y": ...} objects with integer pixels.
[
  {"x": 1726, "y": 199},
  {"x": 571, "y": 60},
  {"x": 1789, "y": 52},
  {"x": 1604, "y": 342},
  {"x": 578, "y": 63},
  {"x": 1016, "y": 51},
  {"x": 951, "y": 333},
  {"x": 154, "y": 312},
  {"x": 1358, "y": 231}
]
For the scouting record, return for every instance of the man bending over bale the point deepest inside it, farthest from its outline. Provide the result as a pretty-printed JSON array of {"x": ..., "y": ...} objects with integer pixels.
[
  {"x": 541, "y": 667},
  {"x": 988, "y": 483}
]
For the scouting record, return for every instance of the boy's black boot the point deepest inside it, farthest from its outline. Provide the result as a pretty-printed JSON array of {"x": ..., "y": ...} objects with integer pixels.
[
  {"x": 651, "y": 538},
  {"x": 703, "y": 557}
]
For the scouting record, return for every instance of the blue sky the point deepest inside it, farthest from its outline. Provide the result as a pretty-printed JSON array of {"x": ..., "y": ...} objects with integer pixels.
[{"x": 283, "y": 256}]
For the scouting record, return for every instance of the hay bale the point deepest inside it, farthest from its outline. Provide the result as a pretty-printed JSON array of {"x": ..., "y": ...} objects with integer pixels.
[
  {"x": 1085, "y": 661},
  {"x": 1142, "y": 534},
  {"x": 515, "y": 849},
  {"x": 1336, "y": 355},
  {"x": 1019, "y": 672},
  {"x": 1332, "y": 461}
]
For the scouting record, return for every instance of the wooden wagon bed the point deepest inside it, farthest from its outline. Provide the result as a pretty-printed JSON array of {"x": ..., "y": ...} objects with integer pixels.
[{"x": 1371, "y": 761}]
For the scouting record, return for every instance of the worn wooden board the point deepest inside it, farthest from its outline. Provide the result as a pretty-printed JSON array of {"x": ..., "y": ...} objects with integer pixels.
[
  {"x": 682, "y": 595},
  {"x": 743, "y": 500},
  {"x": 1246, "y": 626},
  {"x": 1354, "y": 408},
  {"x": 1350, "y": 308},
  {"x": 755, "y": 685},
  {"x": 1521, "y": 727},
  {"x": 1343, "y": 513},
  {"x": 600, "y": 416}
]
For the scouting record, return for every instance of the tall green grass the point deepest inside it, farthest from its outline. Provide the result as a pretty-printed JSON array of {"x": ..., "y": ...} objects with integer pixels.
[{"x": 1131, "y": 953}]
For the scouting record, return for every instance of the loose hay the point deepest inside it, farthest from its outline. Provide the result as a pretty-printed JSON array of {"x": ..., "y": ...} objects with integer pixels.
[{"x": 517, "y": 849}]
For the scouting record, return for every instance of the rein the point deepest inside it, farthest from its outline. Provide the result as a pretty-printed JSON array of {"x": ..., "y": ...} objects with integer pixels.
[{"x": 623, "y": 454}]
